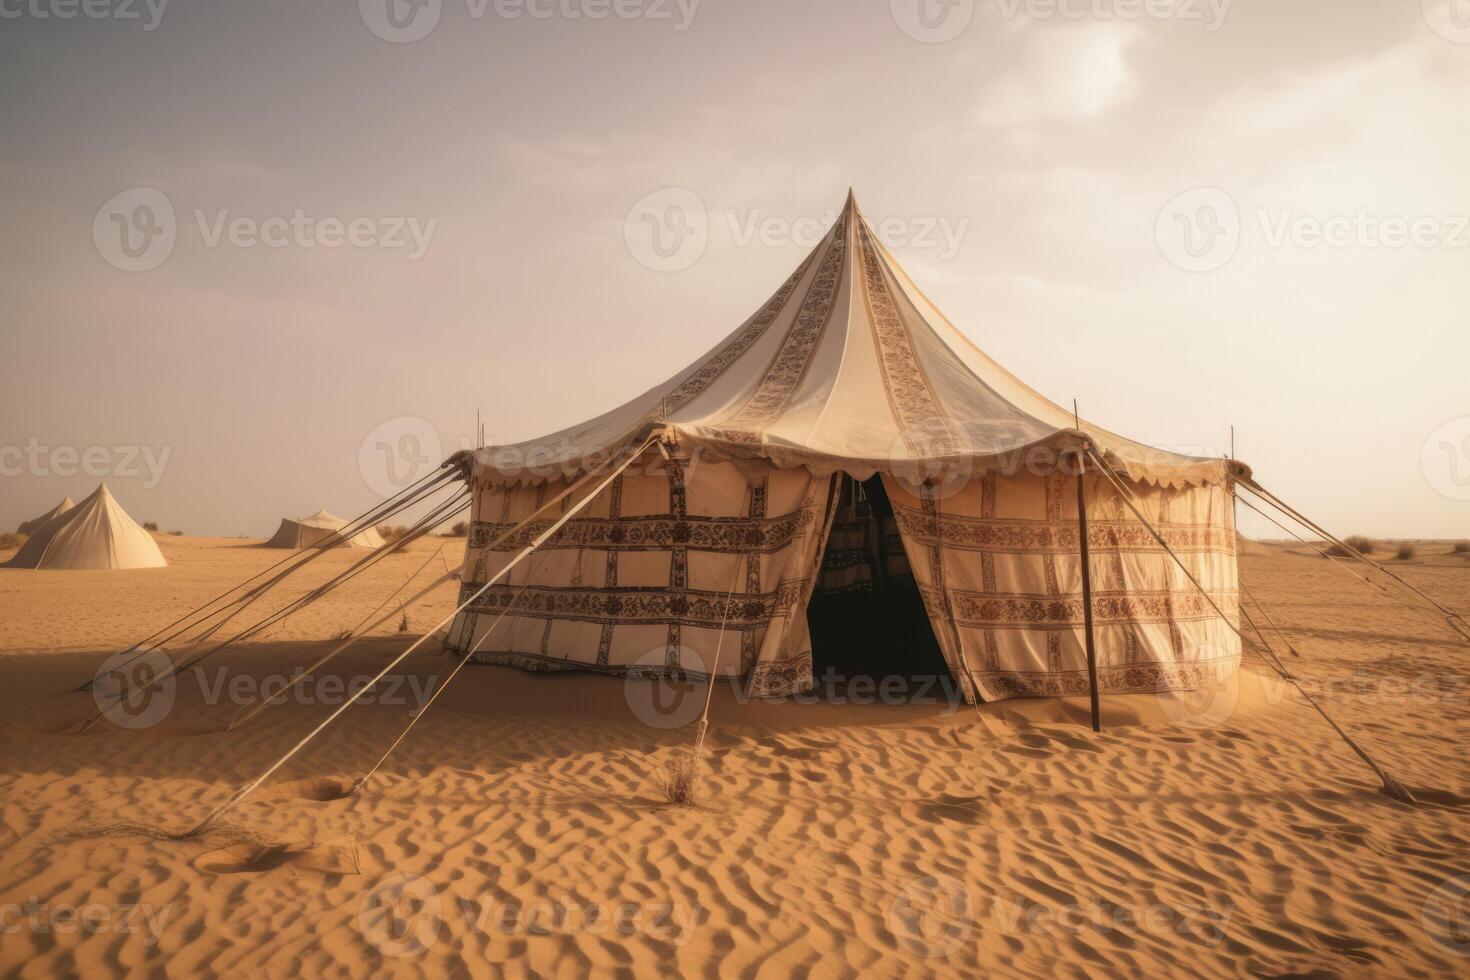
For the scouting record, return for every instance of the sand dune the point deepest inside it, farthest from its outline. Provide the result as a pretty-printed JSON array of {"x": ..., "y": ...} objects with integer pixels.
[{"x": 521, "y": 829}]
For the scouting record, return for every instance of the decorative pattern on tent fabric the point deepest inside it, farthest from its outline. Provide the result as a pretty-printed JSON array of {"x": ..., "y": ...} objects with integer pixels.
[
  {"x": 726, "y": 534},
  {"x": 1008, "y": 584},
  {"x": 660, "y": 601},
  {"x": 984, "y": 610},
  {"x": 641, "y": 605},
  {"x": 1033, "y": 537},
  {"x": 694, "y": 385},
  {"x": 922, "y": 419},
  {"x": 786, "y": 371}
]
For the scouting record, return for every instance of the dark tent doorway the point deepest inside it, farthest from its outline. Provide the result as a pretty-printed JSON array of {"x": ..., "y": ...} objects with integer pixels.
[{"x": 866, "y": 616}]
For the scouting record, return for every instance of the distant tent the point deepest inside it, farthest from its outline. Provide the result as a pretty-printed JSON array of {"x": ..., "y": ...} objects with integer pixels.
[
  {"x": 27, "y": 527},
  {"x": 307, "y": 531},
  {"x": 97, "y": 533}
]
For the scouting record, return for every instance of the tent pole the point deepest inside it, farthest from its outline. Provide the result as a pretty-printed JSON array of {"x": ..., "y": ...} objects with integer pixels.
[{"x": 1087, "y": 595}]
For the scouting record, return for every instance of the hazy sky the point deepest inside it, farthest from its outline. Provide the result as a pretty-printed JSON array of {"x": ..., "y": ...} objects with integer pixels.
[{"x": 1248, "y": 212}]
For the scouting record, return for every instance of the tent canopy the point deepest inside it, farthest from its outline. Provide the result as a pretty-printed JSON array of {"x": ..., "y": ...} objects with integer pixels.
[
  {"x": 97, "y": 533},
  {"x": 27, "y": 527},
  {"x": 307, "y": 531},
  {"x": 847, "y": 367}
]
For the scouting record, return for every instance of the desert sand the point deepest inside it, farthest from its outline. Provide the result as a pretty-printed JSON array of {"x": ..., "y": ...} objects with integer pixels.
[{"x": 520, "y": 829}]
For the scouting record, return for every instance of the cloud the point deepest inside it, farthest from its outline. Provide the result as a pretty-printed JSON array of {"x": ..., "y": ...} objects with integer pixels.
[{"x": 1065, "y": 74}]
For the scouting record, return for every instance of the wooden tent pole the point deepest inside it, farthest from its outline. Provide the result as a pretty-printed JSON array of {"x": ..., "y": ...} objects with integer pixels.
[{"x": 1087, "y": 594}]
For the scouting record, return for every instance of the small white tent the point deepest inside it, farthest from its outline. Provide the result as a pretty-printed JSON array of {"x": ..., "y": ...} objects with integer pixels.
[
  {"x": 97, "y": 533},
  {"x": 27, "y": 527},
  {"x": 307, "y": 531}
]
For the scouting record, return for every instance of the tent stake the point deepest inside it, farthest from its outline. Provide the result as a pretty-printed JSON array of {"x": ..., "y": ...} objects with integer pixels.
[{"x": 1087, "y": 595}]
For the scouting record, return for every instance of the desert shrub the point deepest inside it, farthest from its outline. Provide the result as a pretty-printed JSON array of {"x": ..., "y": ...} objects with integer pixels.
[
  {"x": 12, "y": 539},
  {"x": 390, "y": 533},
  {"x": 1461, "y": 548},
  {"x": 1356, "y": 545},
  {"x": 459, "y": 530},
  {"x": 1405, "y": 552},
  {"x": 150, "y": 525},
  {"x": 678, "y": 779}
]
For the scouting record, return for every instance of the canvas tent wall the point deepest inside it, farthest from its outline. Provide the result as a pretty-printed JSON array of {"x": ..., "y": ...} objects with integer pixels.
[
  {"x": 97, "y": 533},
  {"x": 27, "y": 527},
  {"x": 307, "y": 531},
  {"x": 849, "y": 369}
]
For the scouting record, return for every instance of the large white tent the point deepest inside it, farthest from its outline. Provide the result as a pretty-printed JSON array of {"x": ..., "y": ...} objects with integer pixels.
[
  {"x": 715, "y": 548},
  {"x": 96, "y": 533},
  {"x": 305, "y": 532},
  {"x": 27, "y": 527}
]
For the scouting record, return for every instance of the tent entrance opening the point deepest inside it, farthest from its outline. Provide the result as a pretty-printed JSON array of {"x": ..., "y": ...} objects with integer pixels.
[{"x": 866, "y": 616}]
